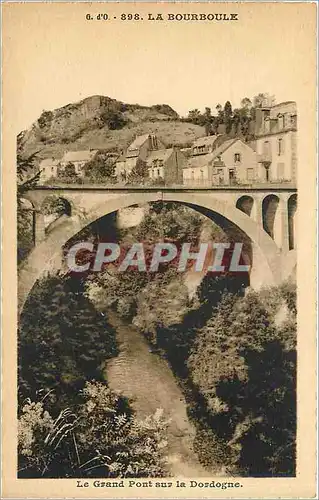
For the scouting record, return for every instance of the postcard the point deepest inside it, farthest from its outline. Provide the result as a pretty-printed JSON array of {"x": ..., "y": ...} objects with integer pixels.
[{"x": 159, "y": 178}]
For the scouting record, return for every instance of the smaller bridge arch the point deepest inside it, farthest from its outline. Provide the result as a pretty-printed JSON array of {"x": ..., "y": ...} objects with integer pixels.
[
  {"x": 245, "y": 204},
  {"x": 269, "y": 212},
  {"x": 292, "y": 221}
]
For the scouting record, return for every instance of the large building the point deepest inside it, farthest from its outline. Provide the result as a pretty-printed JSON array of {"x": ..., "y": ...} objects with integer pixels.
[
  {"x": 276, "y": 141},
  {"x": 234, "y": 162}
]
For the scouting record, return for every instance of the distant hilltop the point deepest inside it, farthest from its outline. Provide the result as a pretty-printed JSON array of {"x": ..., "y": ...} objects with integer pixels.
[{"x": 101, "y": 122}]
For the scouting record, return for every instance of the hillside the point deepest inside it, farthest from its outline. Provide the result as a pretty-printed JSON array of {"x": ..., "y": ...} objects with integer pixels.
[{"x": 100, "y": 122}]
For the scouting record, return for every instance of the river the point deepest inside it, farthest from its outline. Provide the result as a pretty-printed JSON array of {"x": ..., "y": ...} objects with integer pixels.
[{"x": 148, "y": 381}]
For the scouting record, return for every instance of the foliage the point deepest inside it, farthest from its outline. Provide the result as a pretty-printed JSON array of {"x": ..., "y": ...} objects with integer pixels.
[
  {"x": 243, "y": 365},
  {"x": 122, "y": 291},
  {"x": 53, "y": 205},
  {"x": 113, "y": 119},
  {"x": 27, "y": 178},
  {"x": 68, "y": 174},
  {"x": 170, "y": 222},
  {"x": 139, "y": 173},
  {"x": 100, "y": 437},
  {"x": 45, "y": 119},
  {"x": 235, "y": 122},
  {"x": 63, "y": 340},
  {"x": 117, "y": 290},
  {"x": 100, "y": 169}
]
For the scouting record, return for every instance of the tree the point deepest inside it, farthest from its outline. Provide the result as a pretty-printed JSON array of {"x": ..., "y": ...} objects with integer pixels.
[
  {"x": 246, "y": 103},
  {"x": 244, "y": 367},
  {"x": 262, "y": 99},
  {"x": 194, "y": 116},
  {"x": 228, "y": 114},
  {"x": 113, "y": 119},
  {"x": 208, "y": 121},
  {"x": 68, "y": 174},
  {"x": 101, "y": 169},
  {"x": 220, "y": 113},
  {"x": 27, "y": 178},
  {"x": 63, "y": 340},
  {"x": 53, "y": 205},
  {"x": 139, "y": 173},
  {"x": 236, "y": 120}
]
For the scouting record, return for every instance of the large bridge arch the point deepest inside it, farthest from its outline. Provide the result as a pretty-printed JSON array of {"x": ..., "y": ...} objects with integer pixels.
[{"x": 47, "y": 255}]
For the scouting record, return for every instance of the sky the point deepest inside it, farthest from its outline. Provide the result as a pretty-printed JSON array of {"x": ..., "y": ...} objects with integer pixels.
[{"x": 54, "y": 56}]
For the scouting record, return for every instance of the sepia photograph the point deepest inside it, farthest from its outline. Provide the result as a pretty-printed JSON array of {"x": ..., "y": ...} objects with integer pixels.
[{"x": 159, "y": 341}]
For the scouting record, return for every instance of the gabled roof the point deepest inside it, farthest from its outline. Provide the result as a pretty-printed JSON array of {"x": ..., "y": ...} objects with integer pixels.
[
  {"x": 207, "y": 140},
  {"x": 219, "y": 151},
  {"x": 139, "y": 141},
  {"x": 160, "y": 154},
  {"x": 85, "y": 155},
  {"x": 283, "y": 103},
  {"x": 199, "y": 161},
  {"x": 49, "y": 162},
  {"x": 202, "y": 160}
]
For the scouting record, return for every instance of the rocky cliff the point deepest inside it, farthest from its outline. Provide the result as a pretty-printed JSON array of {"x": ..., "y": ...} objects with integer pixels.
[{"x": 100, "y": 122}]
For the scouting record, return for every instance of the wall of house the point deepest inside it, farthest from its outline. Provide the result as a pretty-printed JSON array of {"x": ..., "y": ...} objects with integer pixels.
[
  {"x": 173, "y": 167},
  {"x": 246, "y": 170},
  {"x": 156, "y": 172},
  {"x": 119, "y": 168},
  {"x": 198, "y": 176},
  {"x": 48, "y": 171},
  {"x": 284, "y": 165}
]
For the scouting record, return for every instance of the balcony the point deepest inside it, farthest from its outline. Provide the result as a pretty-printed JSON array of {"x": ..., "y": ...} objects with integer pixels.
[{"x": 265, "y": 158}]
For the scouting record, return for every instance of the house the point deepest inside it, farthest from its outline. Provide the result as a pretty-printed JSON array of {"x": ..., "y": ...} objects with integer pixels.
[
  {"x": 204, "y": 145},
  {"x": 166, "y": 165},
  {"x": 276, "y": 141},
  {"x": 48, "y": 168},
  {"x": 78, "y": 158},
  {"x": 137, "y": 153},
  {"x": 231, "y": 163}
]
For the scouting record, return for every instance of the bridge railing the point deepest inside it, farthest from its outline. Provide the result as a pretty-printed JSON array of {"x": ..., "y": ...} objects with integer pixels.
[{"x": 189, "y": 186}]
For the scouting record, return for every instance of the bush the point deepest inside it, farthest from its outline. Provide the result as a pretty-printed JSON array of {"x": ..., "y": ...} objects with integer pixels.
[{"x": 100, "y": 437}]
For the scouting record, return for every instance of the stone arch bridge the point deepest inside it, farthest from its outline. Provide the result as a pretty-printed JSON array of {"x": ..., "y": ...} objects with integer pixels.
[{"x": 263, "y": 217}]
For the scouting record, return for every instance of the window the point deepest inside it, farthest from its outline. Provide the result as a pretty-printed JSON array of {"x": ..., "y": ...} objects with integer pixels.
[
  {"x": 237, "y": 158},
  {"x": 231, "y": 175},
  {"x": 250, "y": 174},
  {"x": 281, "y": 121},
  {"x": 267, "y": 125},
  {"x": 281, "y": 170},
  {"x": 266, "y": 148},
  {"x": 280, "y": 146}
]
